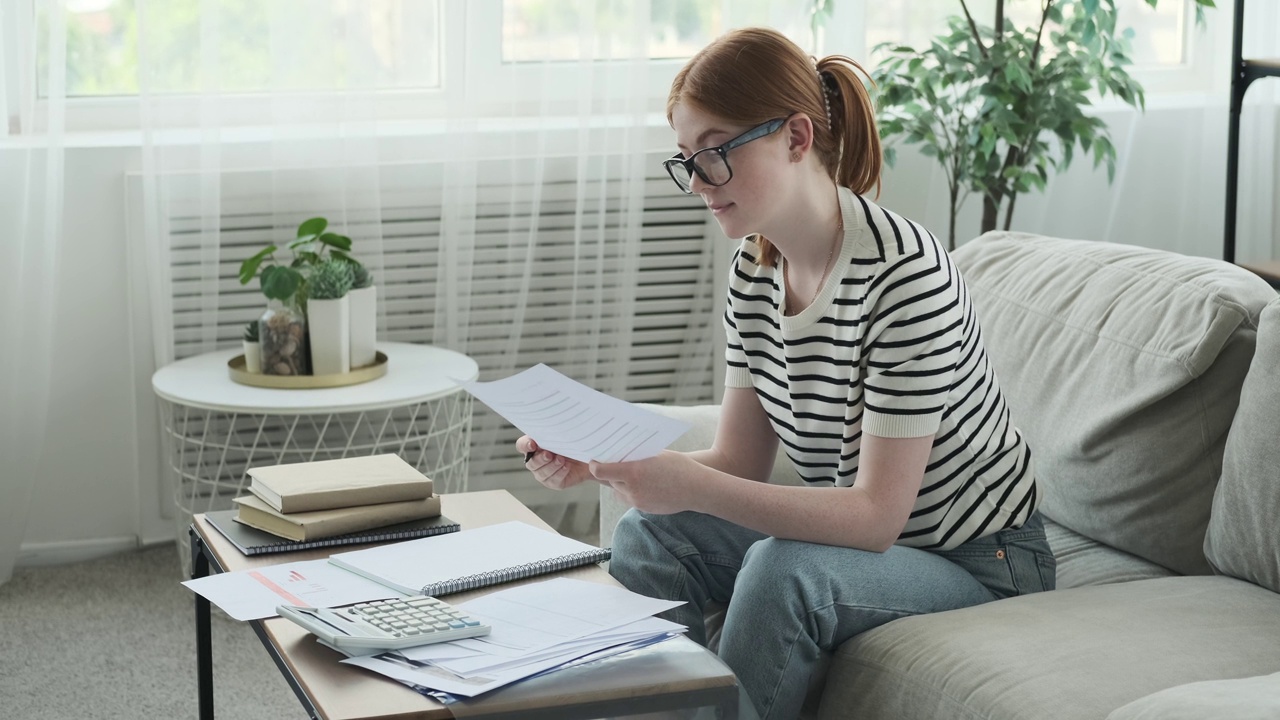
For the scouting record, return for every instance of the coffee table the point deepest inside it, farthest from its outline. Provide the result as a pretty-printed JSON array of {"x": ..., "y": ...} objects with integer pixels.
[{"x": 674, "y": 674}]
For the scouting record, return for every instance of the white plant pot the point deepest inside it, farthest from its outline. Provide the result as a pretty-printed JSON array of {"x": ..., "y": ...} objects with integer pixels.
[
  {"x": 364, "y": 325},
  {"x": 252, "y": 356},
  {"x": 329, "y": 324}
]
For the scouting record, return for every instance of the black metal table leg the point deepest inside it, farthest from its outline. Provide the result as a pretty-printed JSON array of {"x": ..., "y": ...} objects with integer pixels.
[{"x": 204, "y": 638}]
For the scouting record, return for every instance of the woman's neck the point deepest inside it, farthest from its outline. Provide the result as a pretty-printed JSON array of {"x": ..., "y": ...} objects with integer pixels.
[{"x": 806, "y": 233}]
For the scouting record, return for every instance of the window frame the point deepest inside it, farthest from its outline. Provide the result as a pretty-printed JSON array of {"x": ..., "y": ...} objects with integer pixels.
[{"x": 473, "y": 75}]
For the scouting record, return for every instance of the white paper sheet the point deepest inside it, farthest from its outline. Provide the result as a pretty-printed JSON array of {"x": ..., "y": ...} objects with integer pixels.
[
  {"x": 570, "y": 419},
  {"x": 254, "y": 594},
  {"x": 434, "y": 678},
  {"x": 481, "y": 665},
  {"x": 534, "y": 617}
]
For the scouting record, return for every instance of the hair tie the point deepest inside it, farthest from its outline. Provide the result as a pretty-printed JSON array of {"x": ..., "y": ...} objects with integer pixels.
[{"x": 826, "y": 98}]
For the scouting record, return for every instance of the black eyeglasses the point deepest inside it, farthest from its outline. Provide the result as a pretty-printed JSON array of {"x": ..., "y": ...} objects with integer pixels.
[{"x": 712, "y": 164}]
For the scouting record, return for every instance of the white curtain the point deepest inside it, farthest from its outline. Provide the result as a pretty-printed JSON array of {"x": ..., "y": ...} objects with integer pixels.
[
  {"x": 31, "y": 206},
  {"x": 412, "y": 133},
  {"x": 1258, "y": 229}
]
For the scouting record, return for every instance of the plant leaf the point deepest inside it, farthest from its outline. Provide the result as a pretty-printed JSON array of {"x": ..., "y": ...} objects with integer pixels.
[
  {"x": 314, "y": 226},
  {"x": 342, "y": 242},
  {"x": 249, "y": 267}
]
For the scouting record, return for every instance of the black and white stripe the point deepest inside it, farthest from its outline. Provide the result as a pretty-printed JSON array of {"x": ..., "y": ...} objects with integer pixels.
[{"x": 890, "y": 347}]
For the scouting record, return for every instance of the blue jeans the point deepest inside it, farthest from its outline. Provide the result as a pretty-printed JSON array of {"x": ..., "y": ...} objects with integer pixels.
[{"x": 793, "y": 600}]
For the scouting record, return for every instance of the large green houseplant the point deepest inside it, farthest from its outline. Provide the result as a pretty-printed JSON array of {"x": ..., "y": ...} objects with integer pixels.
[{"x": 999, "y": 106}]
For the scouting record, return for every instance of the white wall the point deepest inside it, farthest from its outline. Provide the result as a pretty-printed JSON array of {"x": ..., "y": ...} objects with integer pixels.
[{"x": 99, "y": 485}]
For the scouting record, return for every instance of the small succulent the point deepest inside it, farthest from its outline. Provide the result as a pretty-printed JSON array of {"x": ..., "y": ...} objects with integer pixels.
[
  {"x": 330, "y": 280},
  {"x": 363, "y": 278},
  {"x": 251, "y": 331}
]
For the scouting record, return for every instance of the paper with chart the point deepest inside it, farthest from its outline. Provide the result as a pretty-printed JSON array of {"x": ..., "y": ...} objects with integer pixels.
[
  {"x": 254, "y": 594},
  {"x": 570, "y": 419}
]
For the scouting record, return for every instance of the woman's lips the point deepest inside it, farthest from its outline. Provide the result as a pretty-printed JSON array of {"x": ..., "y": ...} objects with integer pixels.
[{"x": 718, "y": 209}]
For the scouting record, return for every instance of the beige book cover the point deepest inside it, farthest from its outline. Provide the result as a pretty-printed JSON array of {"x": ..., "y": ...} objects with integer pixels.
[
  {"x": 347, "y": 482},
  {"x": 317, "y": 524}
]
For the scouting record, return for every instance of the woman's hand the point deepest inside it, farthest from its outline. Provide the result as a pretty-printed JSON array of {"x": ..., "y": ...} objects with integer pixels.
[
  {"x": 662, "y": 484},
  {"x": 555, "y": 471}
]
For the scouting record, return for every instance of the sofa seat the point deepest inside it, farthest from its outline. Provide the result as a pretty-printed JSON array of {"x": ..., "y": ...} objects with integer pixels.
[
  {"x": 1083, "y": 561},
  {"x": 1072, "y": 654}
]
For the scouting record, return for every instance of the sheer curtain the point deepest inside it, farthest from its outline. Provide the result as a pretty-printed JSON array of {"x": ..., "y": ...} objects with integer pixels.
[
  {"x": 31, "y": 206},
  {"x": 477, "y": 186},
  {"x": 1258, "y": 231}
]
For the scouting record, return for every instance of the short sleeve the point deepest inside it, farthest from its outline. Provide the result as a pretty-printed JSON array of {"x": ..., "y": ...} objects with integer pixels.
[
  {"x": 737, "y": 372},
  {"x": 913, "y": 345}
]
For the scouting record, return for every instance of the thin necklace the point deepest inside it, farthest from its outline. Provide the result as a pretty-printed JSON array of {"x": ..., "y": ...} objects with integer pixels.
[{"x": 831, "y": 251}]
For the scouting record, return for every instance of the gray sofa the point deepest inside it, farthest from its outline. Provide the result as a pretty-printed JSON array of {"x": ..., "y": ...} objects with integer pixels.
[{"x": 1148, "y": 384}]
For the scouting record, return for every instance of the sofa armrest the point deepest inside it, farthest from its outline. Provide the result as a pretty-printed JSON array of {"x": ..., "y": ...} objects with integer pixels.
[{"x": 703, "y": 419}]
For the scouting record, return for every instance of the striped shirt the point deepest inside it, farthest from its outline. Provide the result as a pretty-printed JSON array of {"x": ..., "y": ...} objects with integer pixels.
[{"x": 891, "y": 347}]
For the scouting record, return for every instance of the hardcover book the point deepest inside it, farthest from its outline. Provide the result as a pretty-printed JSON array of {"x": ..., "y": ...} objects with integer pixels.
[
  {"x": 346, "y": 482},
  {"x": 316, "y": 524},
  {"x": 252, "y": 541}
]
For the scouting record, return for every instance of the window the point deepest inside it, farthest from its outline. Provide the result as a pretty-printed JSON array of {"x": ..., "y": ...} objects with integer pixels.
[
  {"x": 238, "y": 46},
  {"x": 536, "y": 30},
  {"x": 1170, "y": 53},
  {"x": 1159, "y": 41}
]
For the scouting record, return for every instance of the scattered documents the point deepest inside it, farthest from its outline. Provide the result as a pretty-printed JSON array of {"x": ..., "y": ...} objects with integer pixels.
[
  {"x": 570, "y": 419},
  {"x": 536, "y": 628}
]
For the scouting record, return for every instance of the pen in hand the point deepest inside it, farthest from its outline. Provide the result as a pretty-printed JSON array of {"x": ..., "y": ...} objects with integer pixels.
[{"x": 529, "y": 455}]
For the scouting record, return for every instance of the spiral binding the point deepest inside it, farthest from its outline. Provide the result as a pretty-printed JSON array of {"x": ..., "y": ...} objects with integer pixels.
[{"x": 518, "y": 572}]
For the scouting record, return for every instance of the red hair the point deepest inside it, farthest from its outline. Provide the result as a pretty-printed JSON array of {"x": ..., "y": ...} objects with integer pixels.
[{"x": 753, "y": 75}]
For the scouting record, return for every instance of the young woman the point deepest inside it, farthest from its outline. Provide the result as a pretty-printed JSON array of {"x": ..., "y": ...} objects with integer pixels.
[{"x": 852, "y": 341}]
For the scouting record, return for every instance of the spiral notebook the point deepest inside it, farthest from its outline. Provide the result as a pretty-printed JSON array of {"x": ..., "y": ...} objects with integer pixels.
[
  {"x": 252, "y": 541},
  {"x": 469, "y": 559}
]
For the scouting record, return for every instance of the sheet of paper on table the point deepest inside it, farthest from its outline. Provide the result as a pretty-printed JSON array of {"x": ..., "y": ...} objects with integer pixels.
[
  {"x": 568, "y": 418},
  {"x": 536, "y": 628},
  {"x": 254, "y": 594}
]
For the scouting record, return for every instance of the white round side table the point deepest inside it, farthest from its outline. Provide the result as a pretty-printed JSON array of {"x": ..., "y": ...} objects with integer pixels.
[{"x": 216, "y": 428}]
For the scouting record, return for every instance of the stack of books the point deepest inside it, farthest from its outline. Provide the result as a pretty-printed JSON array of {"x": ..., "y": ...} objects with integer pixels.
[{"x": 309, "y": 502}]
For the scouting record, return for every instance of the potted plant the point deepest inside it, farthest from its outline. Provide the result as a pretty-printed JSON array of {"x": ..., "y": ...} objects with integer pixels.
[
  {"x": 364, "y": 317},
  {"x": 999, "y": 106},
  {"x": 252, "y": 348},
  {"x": 329, "y": 316},
  {"x": 283, "y": 326}
]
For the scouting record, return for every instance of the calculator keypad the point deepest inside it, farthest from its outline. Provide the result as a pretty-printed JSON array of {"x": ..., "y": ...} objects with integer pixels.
[{"x": 409, "y": 617}]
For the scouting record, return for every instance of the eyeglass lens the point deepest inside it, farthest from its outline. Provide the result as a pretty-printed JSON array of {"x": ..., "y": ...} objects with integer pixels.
[{"x": 711, "y": 166}]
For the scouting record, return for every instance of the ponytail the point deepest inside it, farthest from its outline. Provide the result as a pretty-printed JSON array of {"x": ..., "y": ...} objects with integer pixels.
[{"x": 858, "y": 156}]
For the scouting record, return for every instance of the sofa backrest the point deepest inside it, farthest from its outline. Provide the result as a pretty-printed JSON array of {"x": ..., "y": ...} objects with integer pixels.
[
  {"x": 1242, "y": 539},
  {"x": 1123, "y": 367}
]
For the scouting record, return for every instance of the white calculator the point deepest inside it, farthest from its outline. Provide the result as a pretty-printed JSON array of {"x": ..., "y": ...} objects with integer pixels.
[{"x": 391, "y": 624}]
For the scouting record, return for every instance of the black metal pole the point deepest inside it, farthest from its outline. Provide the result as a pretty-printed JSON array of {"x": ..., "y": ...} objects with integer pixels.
[
  {"x": 204, "y": 637},
  {"x": 1239, "y": 82}
]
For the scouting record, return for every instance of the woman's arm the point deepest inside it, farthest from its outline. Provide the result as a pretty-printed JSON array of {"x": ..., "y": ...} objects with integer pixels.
[
  {"x": 869, "y": 515},
  {"x": 730, "y": 481},
  {"x": 745, "y": 443}
]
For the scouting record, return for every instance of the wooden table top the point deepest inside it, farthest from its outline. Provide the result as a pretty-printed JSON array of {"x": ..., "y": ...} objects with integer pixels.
[{"x": 343, "y": 692}]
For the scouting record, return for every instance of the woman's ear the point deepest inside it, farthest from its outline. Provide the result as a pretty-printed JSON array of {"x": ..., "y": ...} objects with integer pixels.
[{"x": 799, "y": 131}]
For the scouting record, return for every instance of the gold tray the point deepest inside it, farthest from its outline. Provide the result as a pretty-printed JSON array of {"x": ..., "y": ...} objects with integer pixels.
[{"x": 235, "y": 366}]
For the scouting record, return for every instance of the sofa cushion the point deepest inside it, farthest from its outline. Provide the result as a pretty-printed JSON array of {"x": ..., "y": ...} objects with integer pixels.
[
  {"x": 1061, "y": 655},
  {"x": 1255, "y": 698},
  {"x": 1122, "y": 366},
  {"x": 1083, "y": 562},
  {"x": 1242, "y": 539}
]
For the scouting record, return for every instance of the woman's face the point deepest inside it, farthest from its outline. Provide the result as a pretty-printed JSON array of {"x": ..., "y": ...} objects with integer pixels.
[{"x": 742, "y": 205}]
